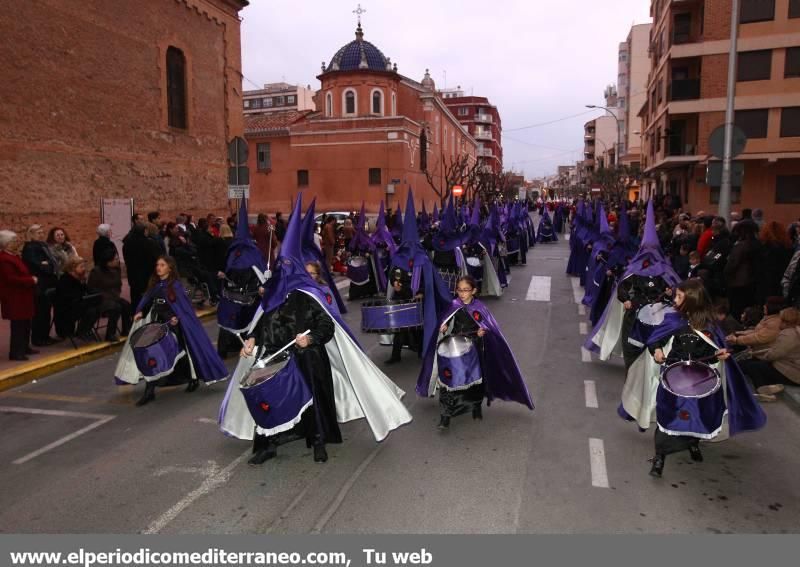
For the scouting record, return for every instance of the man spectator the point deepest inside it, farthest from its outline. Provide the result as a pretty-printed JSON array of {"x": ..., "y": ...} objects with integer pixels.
[
  {"x": 740, "y": 267},
  {"x": 262, "y": 233},
  {"x": 329, "y": 239},
  {"x": 107, "y": 280},
  {"x": 140, "y": 254},
  {"x": 213, "y": 227},
  {"x": 104, "y": 249},
  {"x": 704, "y": 242},
  {"x": 280, "y": 226},
  {"x": 204, "y": 242},
  {"x": 154, "y": 217}
]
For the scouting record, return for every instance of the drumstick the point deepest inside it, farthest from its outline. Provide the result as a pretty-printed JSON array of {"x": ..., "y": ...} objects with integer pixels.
[{"x": 273, "y": 355}]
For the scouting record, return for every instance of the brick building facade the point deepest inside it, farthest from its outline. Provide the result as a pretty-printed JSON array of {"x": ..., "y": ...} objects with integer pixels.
[
  {"x": 687, "y": 99},
  {"x": 482, "y": 119},
  {"x": 113, "y": 99},
  {"x": 374, "y": 135}
]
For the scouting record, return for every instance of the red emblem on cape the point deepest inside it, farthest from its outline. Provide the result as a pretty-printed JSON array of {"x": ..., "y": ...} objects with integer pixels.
[
  {"x": 684, "y": 415},
  {"x": 646, "y": 264},
  {"x": 151, "y": 362},
  {"x": 411, "y": 263},
  {"x": 264, "y": 406},
  {"x": 477, "y": 316},
  {"x": 447, "y": 373},
  {"x": 441, "y": 242},
  {"x": 238, "y": 253},
  {"x": 329, "y": 298}
]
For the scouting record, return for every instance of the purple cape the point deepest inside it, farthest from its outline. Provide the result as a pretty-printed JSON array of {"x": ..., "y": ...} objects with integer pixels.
[
  {"x": 502, "y": 375},
  {"x": 311, "y": 253},
  {"x": 207, "y": 364}
]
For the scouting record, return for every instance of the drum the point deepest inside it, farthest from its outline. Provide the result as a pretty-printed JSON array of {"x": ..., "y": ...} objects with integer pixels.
[
  {"x": 546, "y": 230},
  {"x": 458, "y": 362},
  {"x": 155, "y": 350},
  {"x": 450, "y": 278},
  {"x": 647, "y": 319},
  {"x": 358, "y": 270},
  {"x": 475, "y": 269},
  {"x": 276, "y": 394},
  {"x": 512, "y": 245},
  {"x": 690, "y": 379},
  {"x": 384, "y": 316}
]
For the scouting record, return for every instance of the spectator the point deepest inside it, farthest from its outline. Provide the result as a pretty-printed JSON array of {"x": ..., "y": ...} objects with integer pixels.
[
  {"x": 204, "y": 242},
  {"x": 758, "y": 217},
  {"x": 17, "y": 297},
  {"x": 280, "y": 226},
  {"x": 153, "y": 217},
  {"x": 775, "y": 255},
  {"x": 73, "y": 303},
  {"x": 329, "y": 239},
  {"x": 713, "y": 262},
  {"x": 752, "y": 316},
  {"x": 41, "y": 263},
  {"x": 790, "y": 283},
  {"x": 765, "y": 333},
  {"x": 348, "y": 231},
  {"x": 740, "y": 268},
  {"x": 189, "y": 266},
  {"x": 220, "y": 249},
  {"x": 107, "y": 280},
  {"x": 681, "y": 262},
  {"x": 728, "y": 324},
  {"x": 262, "y": 233},
  {"x": 213, "y": 227},
  {"x": 704, "y": 241},
  {"x": 780, "y": 364},
  {"x": 104, "y": 249},
  {"x": 60, "y": 247},
  {"x": 140, "y": 254},
  {"x": 694, "y": 265}
]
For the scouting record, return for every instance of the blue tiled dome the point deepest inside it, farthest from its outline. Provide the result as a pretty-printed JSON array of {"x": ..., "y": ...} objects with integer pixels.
[{"x": 359, "y": 54}]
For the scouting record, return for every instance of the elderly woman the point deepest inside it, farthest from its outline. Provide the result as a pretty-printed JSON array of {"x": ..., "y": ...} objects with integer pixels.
[
  {"x": 41, "y": 263},
  {"x": 780, "y": 365},
  {"x": 104, "y": 249},
  {"x": 60, "y": 247},
  {"x": 74, "y": 303},
  {"x": 17, "y": 290},
  {"x": 106, "y": 279}
]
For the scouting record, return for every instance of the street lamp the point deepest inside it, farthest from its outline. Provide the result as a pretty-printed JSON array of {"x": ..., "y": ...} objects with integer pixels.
[{"x": 616, "y": 157}]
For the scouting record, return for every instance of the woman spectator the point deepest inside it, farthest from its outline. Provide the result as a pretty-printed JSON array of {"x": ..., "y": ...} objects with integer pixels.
[
  {"x": 764, "y": 334},
  {"x": 107, "y": 280},
  {"x": 776, "y": 252},
  {"x": 17, "y": 292},
  {"x": 780, "y": 364},
  {"x": 103, "y": 249},
  {"x": 348, "y": 231},
  {"x": 60, "y": 247},
  {"x": 73, "y": 303},
  {"x": 221, "y": 246},
  {"x": 740, "y": 270},
  {"x": 41, "y": 263}
]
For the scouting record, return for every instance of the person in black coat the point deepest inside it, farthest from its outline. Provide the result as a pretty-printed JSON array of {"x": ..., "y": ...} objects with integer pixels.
[
  {"x": 776, "y": 253},
  {"x": 103, "y": 249},
  {"x": 73, "y": 302},
  {"x": 140, "y": 254},
  {"x": 42, "y": 264}
]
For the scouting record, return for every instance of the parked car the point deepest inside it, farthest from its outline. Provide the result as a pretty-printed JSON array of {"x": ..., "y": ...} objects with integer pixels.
[{"x": 338, "y": 215}]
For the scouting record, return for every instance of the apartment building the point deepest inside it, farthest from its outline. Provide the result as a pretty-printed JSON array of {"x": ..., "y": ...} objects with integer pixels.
[
  {"x": 634, "y": 67},
  {"x": 482, "y": 120},
  {"x": 689, "y": 44},
  {"x": 276, "y": 97}
]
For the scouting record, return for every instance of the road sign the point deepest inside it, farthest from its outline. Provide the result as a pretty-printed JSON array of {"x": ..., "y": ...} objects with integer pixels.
[
  {"x": 237, "y": 151},
  {"x": 716, "y": 142},
  {"x": 714, "y": 173},
  {"x": 458, "y": 190},
  {"x": 238, "y": 191},
  {"x": 238, "y": 175}
]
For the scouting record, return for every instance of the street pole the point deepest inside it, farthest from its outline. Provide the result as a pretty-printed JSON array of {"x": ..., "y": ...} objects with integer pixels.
[{"x": 725, "y": 186}]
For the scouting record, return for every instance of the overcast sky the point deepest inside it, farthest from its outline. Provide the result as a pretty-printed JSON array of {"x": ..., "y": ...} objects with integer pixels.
[{"x": 536, "y": 60}]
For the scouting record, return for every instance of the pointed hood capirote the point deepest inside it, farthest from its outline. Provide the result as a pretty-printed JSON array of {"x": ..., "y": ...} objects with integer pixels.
[
  {"x": 311, "y": 252},
  {"x": 361, "y": 241},
  {"x": 243, "y": 252},
  {"x": 650, "y": 260}
]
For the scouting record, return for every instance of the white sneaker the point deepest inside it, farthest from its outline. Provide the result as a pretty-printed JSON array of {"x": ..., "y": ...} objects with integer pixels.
[{"x": 772, "y": 389}]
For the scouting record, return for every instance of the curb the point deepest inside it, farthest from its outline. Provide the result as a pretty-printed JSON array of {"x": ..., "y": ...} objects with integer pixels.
[
  {"x": 48, "y": 365},
  {"x": 791, "y": 396}
]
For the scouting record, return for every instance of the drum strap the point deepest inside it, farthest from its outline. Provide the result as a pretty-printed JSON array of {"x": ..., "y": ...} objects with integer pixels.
[{"x": 705, "y": 338}]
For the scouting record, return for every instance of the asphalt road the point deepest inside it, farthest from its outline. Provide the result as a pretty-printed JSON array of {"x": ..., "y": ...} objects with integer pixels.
[{"x": 78, "y": 457}]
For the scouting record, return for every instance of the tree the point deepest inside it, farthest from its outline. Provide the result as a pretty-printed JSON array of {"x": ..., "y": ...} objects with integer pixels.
[{"x": 616, "y": 181}]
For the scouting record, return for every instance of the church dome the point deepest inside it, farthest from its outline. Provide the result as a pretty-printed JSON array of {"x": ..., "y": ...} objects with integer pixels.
[{"x": 358, "y": 55}]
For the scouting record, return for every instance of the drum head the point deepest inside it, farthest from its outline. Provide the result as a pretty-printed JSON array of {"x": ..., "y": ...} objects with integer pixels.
[
  {"x": 474, "y": 261},
  {"x": 690, "y": 379},
  {"x": 357, "y": 261},
  {"x": 261, "y": 372},
  {"x": 454, "y": 346},
  {"x": 654, "y": 313},
  {"x": 148, "y": 335}
]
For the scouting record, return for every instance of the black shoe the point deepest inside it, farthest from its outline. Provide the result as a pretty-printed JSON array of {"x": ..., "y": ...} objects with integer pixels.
[
  {"x": 263, "y": 455},
  {"x": 193, "y": 385},
  {"x": 149, "y": 396},
  {"x": 19, "y": 357},
  {"x": 30, "y": 350},
  {"x": 46, "y": 342},
  {"x": 694, "y": 452},
  {"x": 477, "y": 412},
  {"x": 320, "y": 454},
  {"x": 392, "y": 360},
  {"x": 444, "y": 422},
  {"x": 658, "y": 466}
]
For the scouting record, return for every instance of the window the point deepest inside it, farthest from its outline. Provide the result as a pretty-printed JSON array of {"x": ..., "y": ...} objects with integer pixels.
[
  {"x": 247, "y": 104},
  {"x": 377, "y": 102},
  {"x": 682, "y": 28},
  {"x": 792, "y": 68},
  {"x": 267, "y": 103},
  {"x": 463, "y": 111},
  {"x": 787, "y": 189},
  {"x": 329, "y": 104},
  {"x": 255, "y": 103},
  {"x": 394, "y": 104},
  {"x": 423, "y": 151},
  {"x": 756, "y": 11},
  {"x": 753, "y": 122},
  {"x": 754, "y": 65},
  {"x": 302, "y": 178},
  {"x": 374, "y": 175},
  {"x": 790, "y": 122},
  {"x": 444, "y": 138},
  {"x": 278, "y": 101},
  {"x": 736, "y": 195},
  {"x": 263, "y": 157},
  {"x": 176, "y": 88},
  {"x": 658, "y": 140},
  {"x": 350, "y": 102},
  {"x": 290, "y": 99},
  {"x": 794, "y": 8}
]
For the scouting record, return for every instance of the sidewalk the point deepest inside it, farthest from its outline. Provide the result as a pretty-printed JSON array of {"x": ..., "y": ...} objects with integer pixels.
[{"x": 59, "y": 356}]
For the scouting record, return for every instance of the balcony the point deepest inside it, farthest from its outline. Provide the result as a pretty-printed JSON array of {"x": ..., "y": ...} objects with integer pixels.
[
  {"x": 485, "y": 118},
  {"x": 483, "y": 135},
  {"x": 684, "y": 89},
  {"x": 485, "y": 152}
]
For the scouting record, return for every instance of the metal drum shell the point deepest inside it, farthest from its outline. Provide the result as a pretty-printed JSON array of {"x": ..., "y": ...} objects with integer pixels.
[
  {"x": 388, "y": 316},
  {"x": 685, "y": 373}
]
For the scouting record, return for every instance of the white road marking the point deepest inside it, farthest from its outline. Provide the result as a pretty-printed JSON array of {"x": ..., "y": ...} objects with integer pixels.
[
  {"x": 577, "y": 292},
  {"x": 210, "y": 469},
  {"x": 99, "y": 418},
  {"x": 586, "y": 356},
  {"x": 206, "y": 420},
  {"x": 539, "y": 289},
  {"x": 582, "y": 309},
  {"x": 597, "y": 459},
  {"x": 566, "y": 237},
  {"x": 209, "y": 484},
  {"x": 583, "y": 327},
  {"x": 342, "y": 284},
  {"x": 590, "y": 393}
]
